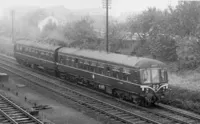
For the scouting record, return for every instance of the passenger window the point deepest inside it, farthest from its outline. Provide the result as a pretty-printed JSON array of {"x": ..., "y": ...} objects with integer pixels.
[
  {"x": 101, "y": 69},
  {"x": 80, "y": 64},
  {"x": 93, "y": 66},
  {"x": 89, "y": 68},
  {"x": 66, "y": 60},
  {"x": 76, "y": 62},
  {"x": 60, "y": 59},
  {"x": 69, "y": 61},
  {"x": 115, "y": 74},
  {"x": 72, "y": 61},
  {"x": 163, "y": 75},
  {"x": 108, "y": 71},
  {"x": 86, "y": 64},
  {"x": 125, "y": 76}
]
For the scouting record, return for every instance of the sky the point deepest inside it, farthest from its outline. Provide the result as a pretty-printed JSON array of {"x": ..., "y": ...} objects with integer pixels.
[{"x": 117, "y": 6}]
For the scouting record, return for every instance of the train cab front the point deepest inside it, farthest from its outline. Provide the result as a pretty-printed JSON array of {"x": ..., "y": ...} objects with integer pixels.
[{"x": 154, "y": 84}]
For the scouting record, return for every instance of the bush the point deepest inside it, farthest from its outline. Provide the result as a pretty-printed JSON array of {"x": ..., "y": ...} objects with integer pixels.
[
  {"x": 159, "y": 46},
  {"x": 188, "y": 52},
  {"x": 163, "y": 47},
  {"x": 184, "y": 99}
]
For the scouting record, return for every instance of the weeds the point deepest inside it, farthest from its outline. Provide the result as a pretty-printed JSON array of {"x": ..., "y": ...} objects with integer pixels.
[{"x": 184, "y": 99}]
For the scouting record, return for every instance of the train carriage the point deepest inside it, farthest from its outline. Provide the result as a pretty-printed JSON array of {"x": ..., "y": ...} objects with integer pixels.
[
  {"x": 136, "y": 79},
  {"x": 36, "y": 54},
  {"x": 125, "y": 76}
]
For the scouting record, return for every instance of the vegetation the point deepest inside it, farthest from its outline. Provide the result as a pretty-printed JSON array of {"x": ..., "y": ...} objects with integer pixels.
[{"x": 183, "y": 98}]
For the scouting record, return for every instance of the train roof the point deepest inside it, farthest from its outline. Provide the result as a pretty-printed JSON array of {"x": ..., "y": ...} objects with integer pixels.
[
  {"x": 131, "y": 61},
  {"x": 37, "y": 45}
]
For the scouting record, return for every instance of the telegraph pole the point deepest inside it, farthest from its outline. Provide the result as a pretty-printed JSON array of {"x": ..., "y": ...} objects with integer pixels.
[
  {"x": 106, "y": 4},
  {"x": 12, "y": 15}
]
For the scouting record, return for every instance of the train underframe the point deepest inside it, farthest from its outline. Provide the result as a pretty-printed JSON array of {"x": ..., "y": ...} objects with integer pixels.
[
  {"x": 142, "y": 100},
  {"x": 146, "y": 101}
]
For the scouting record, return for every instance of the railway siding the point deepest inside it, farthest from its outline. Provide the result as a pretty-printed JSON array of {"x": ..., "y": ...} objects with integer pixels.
[{"x": 14, "y": 114}]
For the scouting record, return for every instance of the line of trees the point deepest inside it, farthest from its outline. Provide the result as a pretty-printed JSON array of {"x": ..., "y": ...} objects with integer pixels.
[{"x": 171, "y": 35}]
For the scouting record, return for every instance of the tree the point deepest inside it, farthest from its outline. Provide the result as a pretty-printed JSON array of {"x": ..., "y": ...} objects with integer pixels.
[
  {"x": 163, "y": 47},
  {"x": 142, "y": 23},
  {"x": 147, "y": 24},
  {"x": 185, "y": 18},
  {"x": 153, "y": 29},
  {"x": 188, "y": 51},
  {"x": 80, "y": 31},
  {"x": 117, "y": 34}
]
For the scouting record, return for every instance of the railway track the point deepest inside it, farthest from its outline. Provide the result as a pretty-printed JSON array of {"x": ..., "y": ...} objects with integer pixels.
[
  {"x": 10, "y": 113},
  {"x": 122, "y": 115},
  {"x": 115, "y": 113}
]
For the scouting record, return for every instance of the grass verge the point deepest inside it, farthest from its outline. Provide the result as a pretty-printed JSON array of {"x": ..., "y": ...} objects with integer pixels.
[{"x": 184, "y": 99}]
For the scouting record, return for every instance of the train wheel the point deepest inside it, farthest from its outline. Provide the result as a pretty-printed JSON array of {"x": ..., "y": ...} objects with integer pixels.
[
  {"x": 146, "y": 102},
  {"x": 122, "y": 96},
  {"x": 137, "y": 101},
  {"x": 115, "y": 93}
]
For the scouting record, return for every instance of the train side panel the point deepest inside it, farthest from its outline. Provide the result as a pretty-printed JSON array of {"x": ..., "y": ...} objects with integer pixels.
[
  {"x": 113, "y": 83},
  {"x": 32, "y": 56},
  {"x": 30, "y": 59}
]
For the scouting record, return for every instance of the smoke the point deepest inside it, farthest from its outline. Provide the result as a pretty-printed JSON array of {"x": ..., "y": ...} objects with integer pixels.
[{"x": 44, "y": 22}]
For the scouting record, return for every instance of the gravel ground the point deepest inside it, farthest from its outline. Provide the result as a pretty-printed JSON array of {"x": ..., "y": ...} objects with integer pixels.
[{"x": 59, "y": 112}]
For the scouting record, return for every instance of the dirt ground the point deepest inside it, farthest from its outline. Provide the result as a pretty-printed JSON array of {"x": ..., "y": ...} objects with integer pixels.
[{"x": 58, "y": 113}]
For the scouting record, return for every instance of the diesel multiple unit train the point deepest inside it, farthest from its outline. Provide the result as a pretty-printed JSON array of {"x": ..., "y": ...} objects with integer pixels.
[{"x": 140, "y": 80}]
